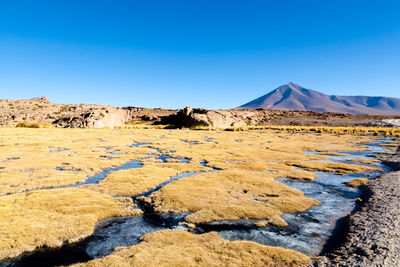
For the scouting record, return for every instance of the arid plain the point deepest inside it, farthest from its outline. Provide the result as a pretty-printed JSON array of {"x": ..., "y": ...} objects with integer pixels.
[{"x": 58, "y": 185}]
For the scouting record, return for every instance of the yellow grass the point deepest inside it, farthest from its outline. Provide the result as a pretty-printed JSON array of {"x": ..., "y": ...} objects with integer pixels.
[
  {"x": 357, "y": 182},
  {"x": 50, "y": 217},
  {"x": 34, "y": 125},
  {"x": 386, "y": 131},
  {"x": 296, "y": 174},
  {"x": 244, "y": 189},
  {"x": 230, "y": 195},
  {"x": 135, "y": 181},
  {"x": 21, "y": 181},
  {"x": 27, "y": 163},
  {"x": 327, "y": 153},
  {"x": 363, "y": 160},
  {"x": 336, "y": 167},
  {"x": 180, "y": 248}
]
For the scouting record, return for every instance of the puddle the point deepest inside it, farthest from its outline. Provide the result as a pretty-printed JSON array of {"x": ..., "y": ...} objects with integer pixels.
[
  {"x": 190, "y": 142},
  {"x": 117, "y": 153},
  {"x": 164, "y": 159},
  {"x": 62, "y": 170},
  {"x": 139, "y": 144},
  {"x": 58, "y": 150}
]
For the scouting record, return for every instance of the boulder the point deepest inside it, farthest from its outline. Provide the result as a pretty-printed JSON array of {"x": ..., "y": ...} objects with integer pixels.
[
  {"x": 94, "y": 119},
  {"x": 111, "y": 120},
  {"x": 196, "y": 117}
]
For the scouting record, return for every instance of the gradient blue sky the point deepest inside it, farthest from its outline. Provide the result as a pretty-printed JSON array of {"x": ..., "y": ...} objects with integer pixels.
[{"x": 202, "y": 53}]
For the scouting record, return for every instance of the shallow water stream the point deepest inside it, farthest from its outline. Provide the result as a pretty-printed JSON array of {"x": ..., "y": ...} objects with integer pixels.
[
  {"x": 113, "y": 232},
  {"x": 307, "y": 232}
]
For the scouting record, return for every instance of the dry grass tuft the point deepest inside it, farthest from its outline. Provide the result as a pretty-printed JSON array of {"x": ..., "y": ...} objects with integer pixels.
[
  {"x": 180, "y": 248},
  {"x": 357, "y": 182},
  {"x": 327, "y": 153},
  {"x": 364, "y": 160},
  {"x": 33, "y": 159},
  {"x": 336, "y": 167},
  {"x": 34, "y": 125},
  {"x": 299, "y": 175},
  {"x": 245, "y": 189},
  {"x": 49, "y": 218},
  {"x": 136, "y": 181},
  {"x": 230, "y": 195}
]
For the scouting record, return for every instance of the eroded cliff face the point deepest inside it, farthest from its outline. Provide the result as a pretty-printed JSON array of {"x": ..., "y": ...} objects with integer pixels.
[
  {"x": 115, "y": 118},
  {"x": 109, "y": 118}
]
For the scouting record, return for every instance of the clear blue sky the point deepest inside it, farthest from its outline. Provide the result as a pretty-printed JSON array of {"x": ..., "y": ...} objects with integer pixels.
[{"x": 202, "y": 53}]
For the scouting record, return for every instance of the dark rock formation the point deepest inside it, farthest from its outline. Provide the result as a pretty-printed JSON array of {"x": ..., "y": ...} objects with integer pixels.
[
  {"x": 70, "y": 122},
  {"x": 137, "y": 114},
  {"x": 220, "y": 119}
]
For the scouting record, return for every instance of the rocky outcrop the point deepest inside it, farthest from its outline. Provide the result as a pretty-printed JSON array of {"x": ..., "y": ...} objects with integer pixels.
[
  {"x": 43, "y": 100},
  {"x": 392, "y": 122},
  {"x": 95, "y": 119},
  {"x": 222, "y": 119},
  {"x": 41, "y": 110},
  {"x": 140, "y": 115}
]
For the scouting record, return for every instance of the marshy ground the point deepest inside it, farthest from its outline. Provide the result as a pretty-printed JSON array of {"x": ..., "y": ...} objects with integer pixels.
[{"x": 58, "y": 186}]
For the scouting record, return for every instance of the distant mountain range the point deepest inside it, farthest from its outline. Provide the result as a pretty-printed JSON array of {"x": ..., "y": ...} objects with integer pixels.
[{"x": 294, "y": 97}]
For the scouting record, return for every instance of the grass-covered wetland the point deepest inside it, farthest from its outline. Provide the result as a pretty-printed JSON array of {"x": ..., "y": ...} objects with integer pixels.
[{"x": 173, "y": 197}]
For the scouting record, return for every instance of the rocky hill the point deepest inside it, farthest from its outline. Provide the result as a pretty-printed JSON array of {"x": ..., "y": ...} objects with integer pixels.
[
  {"x": 294, "y": 97},
  {"x": 41, "y": 110}
]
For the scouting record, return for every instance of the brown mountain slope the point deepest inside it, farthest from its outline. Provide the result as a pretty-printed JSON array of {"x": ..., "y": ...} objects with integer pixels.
[{"x": 294, "y": 97}]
